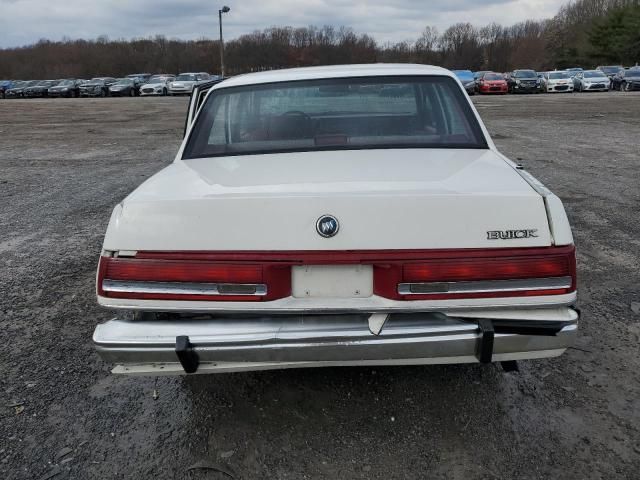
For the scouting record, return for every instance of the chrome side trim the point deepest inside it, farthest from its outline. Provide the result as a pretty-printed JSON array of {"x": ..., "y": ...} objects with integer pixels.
[
  {"x": 373, "y": 304},
  {"x": 484, "y": 286},
  {"x": 184, "y": 288}
]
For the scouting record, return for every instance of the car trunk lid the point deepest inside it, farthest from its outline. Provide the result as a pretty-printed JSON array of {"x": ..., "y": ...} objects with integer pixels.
[{"x": 383, "y": 199}]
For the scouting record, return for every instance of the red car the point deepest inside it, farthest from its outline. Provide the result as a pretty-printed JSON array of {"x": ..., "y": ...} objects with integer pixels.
[{"x": 491, "y": 82}]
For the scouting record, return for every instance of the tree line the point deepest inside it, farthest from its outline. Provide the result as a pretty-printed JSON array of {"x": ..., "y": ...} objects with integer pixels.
[{"x": 583, "y": 32}]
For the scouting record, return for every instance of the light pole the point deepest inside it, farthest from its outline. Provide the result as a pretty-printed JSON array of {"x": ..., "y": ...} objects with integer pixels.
[{"x": 224, "y": 9}]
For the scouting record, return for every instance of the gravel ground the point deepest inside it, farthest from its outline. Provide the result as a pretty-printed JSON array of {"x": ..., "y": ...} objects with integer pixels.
[{"x": 65, "y": 163}]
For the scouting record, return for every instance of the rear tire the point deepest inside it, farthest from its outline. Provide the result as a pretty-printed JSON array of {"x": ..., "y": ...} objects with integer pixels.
[{"x": 164, "y": 92}]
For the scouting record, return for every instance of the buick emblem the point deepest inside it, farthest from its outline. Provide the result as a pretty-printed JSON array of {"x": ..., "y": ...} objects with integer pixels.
[{"x": 327, "y": 226}]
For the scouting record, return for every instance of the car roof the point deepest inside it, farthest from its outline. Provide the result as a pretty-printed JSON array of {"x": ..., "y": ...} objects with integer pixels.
[{"x": 334, "y": 71}]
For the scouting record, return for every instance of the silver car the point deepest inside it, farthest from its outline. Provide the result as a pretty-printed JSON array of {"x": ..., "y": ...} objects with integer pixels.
[
  {"x": 591, "y": 81},
  {"x": 184, "y": 82}
]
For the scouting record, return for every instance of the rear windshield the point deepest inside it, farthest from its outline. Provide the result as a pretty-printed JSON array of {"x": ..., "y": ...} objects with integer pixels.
[
  {"x": 157, "y": 79},
  {"x": 335, "y": 114}
]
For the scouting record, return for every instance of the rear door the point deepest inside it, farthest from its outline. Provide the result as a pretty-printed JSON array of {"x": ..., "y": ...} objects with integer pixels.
[{"x": 198, "y": 95}]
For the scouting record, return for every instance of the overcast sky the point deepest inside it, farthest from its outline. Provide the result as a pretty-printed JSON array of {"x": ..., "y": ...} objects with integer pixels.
[{"x": 25, "y": 21}]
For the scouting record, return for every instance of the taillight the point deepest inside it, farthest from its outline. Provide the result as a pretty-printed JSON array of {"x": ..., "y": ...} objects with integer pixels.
[
  {"x": 166, "y": 279},
  {"x": 397, "y": 274},
  {"x": 474, "y": 274}
]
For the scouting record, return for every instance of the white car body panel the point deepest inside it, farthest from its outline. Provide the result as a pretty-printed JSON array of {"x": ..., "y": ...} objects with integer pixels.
[
  {"x": 436, "y": 198},
  {"x": 156, "y": 88},
  {"x": 370, "y": 304}
]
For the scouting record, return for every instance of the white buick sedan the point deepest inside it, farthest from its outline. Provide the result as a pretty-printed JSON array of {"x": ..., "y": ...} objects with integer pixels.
[{"x": 347, "y": 215}]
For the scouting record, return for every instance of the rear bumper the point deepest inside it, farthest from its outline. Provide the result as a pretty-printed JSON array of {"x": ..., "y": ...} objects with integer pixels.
[
  {"x": 219, "y": 343},
  {"x": 525, "y": 88},
  {"x": 485, "y": 90}
]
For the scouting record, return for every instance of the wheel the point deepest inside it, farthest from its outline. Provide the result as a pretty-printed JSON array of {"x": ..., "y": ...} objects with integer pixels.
[
  {"x": 103, "y": 93},
  {"x": 132, "y": 93},
  {"x": 164, "y": 92}
]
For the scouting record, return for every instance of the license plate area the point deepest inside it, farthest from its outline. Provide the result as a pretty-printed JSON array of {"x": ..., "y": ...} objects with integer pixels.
[{"x": 332, "y": 281}]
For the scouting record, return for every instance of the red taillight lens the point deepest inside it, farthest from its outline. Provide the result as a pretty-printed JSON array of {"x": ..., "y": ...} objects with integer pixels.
[
  {"x": 481, "y": 274},
  {"x": 161, "y": 279},
  {"x": 452, "y": 270},
  {"x": 180, "y": 271}
]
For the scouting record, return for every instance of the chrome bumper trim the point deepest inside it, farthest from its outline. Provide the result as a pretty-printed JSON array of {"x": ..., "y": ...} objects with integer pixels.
[
  {"x": 290, "y": 341},
  {"x": 185, "y": 288},
  {"x": 484, "y": 286}
]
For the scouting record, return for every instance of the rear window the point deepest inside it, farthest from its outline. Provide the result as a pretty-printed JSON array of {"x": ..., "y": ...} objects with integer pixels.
[
  {"x": 594, "y": 75},
  {"x": 334, "y": 114}
]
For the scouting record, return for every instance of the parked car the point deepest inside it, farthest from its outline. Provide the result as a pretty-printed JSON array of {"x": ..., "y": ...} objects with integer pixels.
[
  {"x": 590, "y": 81},
  {"x": 157, "y": 85},
  {"x": 124, "y": 87},
  {"x": 298, "y": 230},
  {"x": 573, "y": 71},
  {"x": 467, "y": 80},
  {"x": 556, "y": 81},
  {"x": 7, "y": 85},
  {"x": 17, "y": 90},
  {"x": 184, "y": 83},
  {"x": 523, "y": 81},
  {"x": 140, "y": 78},
  {"x": 67, "y": 88},
  {"x": 627, "y": 80},
  {"x": 97, "y": 87},
  {"x": 610, "y": 70},
  {"x": 40, "y": 89},
  {"x": 491, "y": 82}
]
